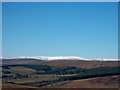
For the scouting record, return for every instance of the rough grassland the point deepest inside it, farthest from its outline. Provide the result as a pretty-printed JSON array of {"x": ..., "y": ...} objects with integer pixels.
[
  {"x": 80, "y": 64},
  {"x": 100, "y": 82}
]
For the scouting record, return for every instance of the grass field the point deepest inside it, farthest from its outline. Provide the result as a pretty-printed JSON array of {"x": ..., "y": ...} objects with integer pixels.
[{"x": 46, "y": 75}]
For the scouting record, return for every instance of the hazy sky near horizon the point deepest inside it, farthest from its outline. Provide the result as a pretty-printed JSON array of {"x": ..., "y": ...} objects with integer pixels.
[{"x": 60, "y": 29}]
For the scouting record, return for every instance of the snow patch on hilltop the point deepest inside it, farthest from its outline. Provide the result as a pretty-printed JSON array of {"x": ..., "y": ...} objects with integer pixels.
[{"x": 49, "y": 58}]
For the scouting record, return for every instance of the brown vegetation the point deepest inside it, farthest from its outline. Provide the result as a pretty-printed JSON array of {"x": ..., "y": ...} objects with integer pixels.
[
  {"x": 9, "y": 85},
  {"x": 80, "y": 63},
  {"x": 100, "y": 82}
]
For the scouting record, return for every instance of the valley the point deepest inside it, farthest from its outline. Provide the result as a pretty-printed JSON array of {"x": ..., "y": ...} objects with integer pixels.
[{"x": 60, "y": 74}]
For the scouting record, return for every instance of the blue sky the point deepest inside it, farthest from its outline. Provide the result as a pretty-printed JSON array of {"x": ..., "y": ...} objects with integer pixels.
[{"x": 60, "y": 29}]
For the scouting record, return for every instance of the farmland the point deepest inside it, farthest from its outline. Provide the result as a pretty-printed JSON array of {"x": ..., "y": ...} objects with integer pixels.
[{"x": 47, "y": 75}]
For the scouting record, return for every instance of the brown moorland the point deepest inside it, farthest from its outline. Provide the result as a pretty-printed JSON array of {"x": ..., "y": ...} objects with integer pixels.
[
  {"x": 80, "y": 63},
  {"x": 9, "y": 85},
  {"x": 100, "y": 82},
  {"x": 62, "y": 63}
]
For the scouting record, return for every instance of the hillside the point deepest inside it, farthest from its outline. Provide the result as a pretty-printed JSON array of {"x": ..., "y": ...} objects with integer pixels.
[
  {"x": 80, "y": 63},
  {"x": 61, "y": 63},
  {"x": 27, "y": 73},
  {"x": 100, "y": 82}
]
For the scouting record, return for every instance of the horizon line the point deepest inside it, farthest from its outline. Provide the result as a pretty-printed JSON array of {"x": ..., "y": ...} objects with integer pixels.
[{"x": 54, "y": 56}]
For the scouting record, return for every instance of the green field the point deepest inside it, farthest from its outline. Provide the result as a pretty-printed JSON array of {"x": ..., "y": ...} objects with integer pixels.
[{"x": 50, "y": 76}]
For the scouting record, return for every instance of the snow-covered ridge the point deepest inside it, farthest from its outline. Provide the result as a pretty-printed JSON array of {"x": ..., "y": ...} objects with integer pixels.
[{"x": 49, "y": 58}]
